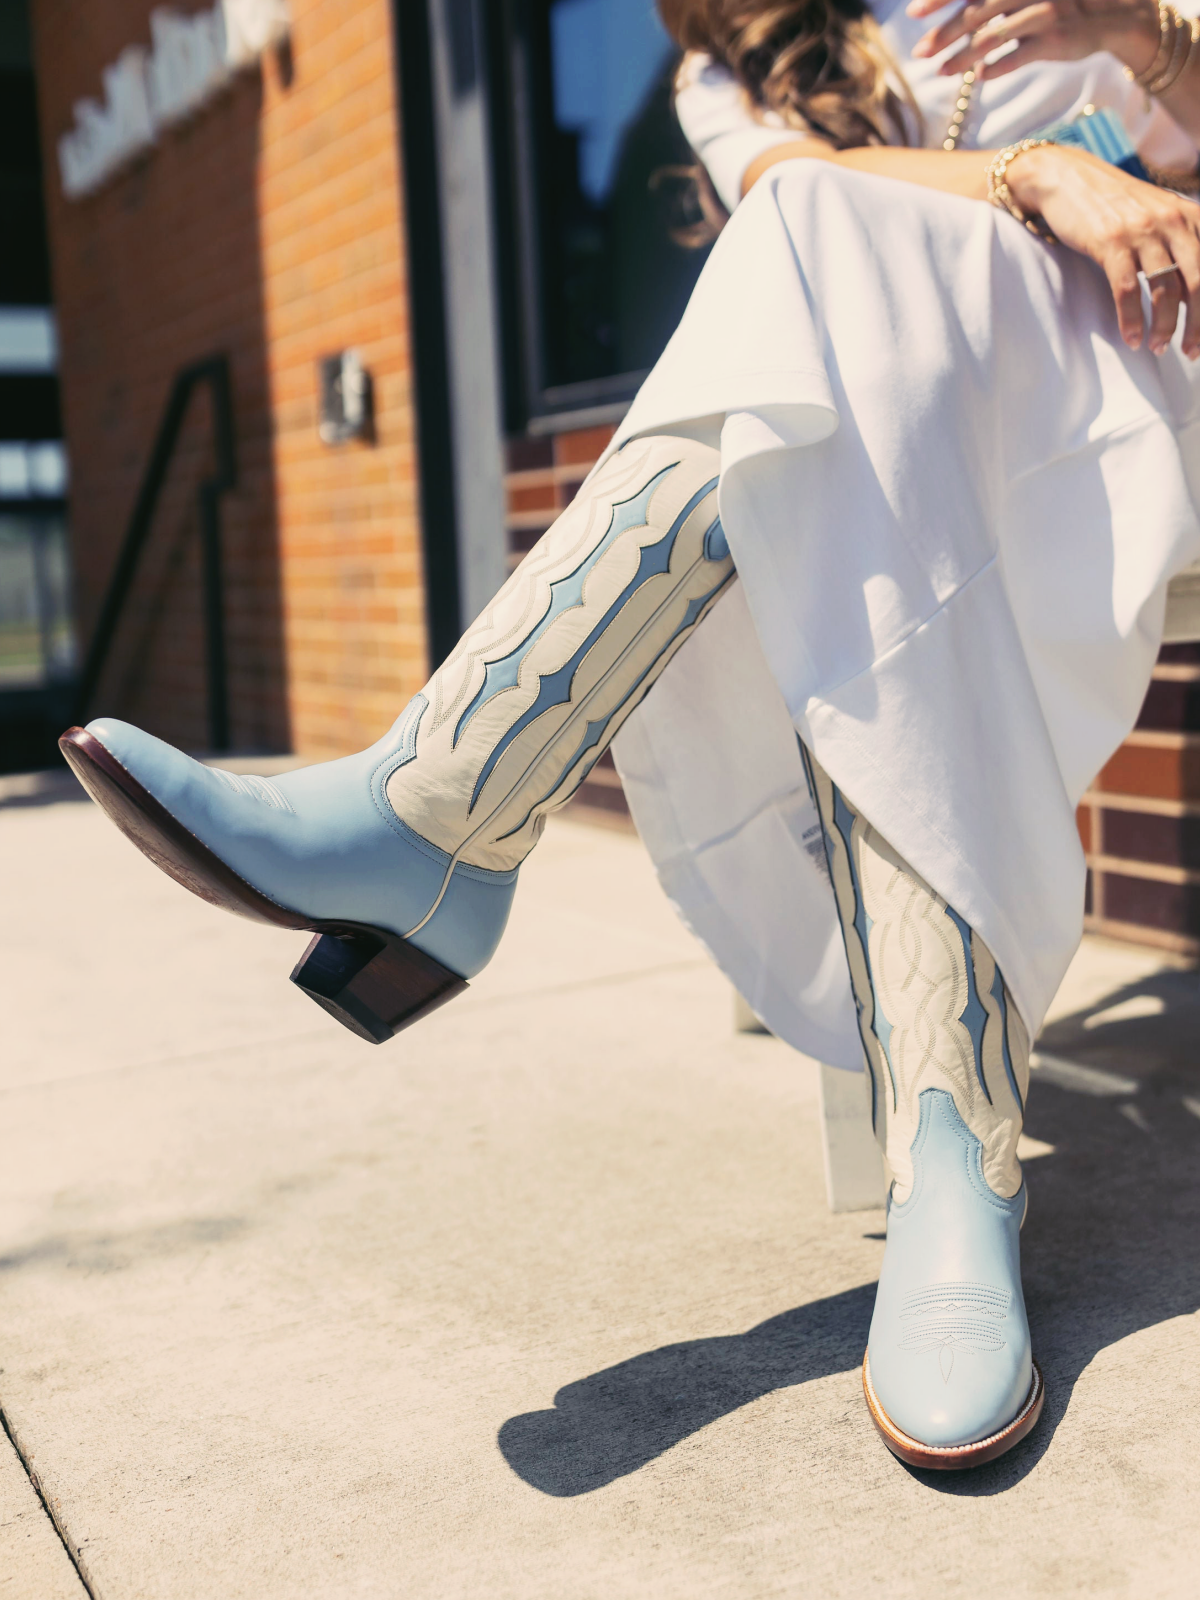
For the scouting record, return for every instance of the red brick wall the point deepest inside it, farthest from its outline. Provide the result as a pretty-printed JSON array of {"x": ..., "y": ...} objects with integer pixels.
[
  {"x": 1140, "y": 822},
  {"x": 270, "y": 227}
]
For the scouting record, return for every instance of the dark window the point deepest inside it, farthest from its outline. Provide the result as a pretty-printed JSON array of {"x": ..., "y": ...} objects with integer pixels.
[
  {"x": 36, "y": 647},
  {"x": 591, "y": 185},
  {"x": 24, "y": 261},
  {"x": 36, "y": 644}
]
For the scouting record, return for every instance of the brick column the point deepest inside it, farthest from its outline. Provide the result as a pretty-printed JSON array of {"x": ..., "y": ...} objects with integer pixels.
[{"x": 269, "y": 225}]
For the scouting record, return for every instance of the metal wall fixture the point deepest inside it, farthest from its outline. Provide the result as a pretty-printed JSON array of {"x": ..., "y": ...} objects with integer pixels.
[{"x": 347, "y": 410}]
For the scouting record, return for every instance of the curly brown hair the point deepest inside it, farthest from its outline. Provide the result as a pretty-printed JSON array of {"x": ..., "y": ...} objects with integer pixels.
[{"x": 821, "y": 64}]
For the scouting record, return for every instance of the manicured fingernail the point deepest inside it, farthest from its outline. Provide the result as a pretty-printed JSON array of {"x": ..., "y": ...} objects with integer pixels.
[{"x": 922, "y": 48}]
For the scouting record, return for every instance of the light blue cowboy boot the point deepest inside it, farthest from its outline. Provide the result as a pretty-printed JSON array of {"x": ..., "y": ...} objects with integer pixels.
[
  {"x": 403, "y": 859},
  {"x": 949, "y": 1375}
]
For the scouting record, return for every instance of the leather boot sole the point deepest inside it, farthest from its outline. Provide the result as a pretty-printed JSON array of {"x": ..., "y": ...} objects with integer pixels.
[
  {"x": 955, "y": 1457},
  {"x": 371, "y": 980}
]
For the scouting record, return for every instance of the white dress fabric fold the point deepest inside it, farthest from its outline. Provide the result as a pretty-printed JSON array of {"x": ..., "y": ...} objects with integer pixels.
[{"x": 954, "y": 499}]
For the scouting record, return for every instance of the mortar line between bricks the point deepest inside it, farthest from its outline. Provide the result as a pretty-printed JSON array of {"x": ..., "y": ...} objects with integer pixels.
[{"x": 73, "y": 1555}]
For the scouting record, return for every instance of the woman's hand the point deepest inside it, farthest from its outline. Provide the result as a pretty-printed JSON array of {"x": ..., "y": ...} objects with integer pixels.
[
  {"x": 1048, "y": 30},
  {"x": 1125, "y": 226}
]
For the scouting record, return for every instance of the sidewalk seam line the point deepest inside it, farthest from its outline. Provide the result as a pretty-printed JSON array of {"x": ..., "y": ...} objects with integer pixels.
[{"x": 73, "y": 1556}]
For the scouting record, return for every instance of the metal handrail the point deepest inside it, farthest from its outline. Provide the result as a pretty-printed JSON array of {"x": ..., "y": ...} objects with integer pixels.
[{"x": 214, "y": 371}]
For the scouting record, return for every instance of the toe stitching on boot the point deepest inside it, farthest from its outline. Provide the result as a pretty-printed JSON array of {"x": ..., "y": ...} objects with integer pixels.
[{"x": 955, "y": 1457}]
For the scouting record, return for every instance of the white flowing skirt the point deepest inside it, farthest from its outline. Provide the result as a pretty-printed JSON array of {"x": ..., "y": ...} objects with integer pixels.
[{"x": 955, "y": 499}]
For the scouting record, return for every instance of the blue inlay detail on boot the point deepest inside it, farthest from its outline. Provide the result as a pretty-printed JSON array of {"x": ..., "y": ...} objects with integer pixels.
[
  {"x": 843, "y": 819},
  {"x": 826, "y": 829},
  {"x": 595, "y": 730},
  {"x": 565, "y": 594},
  {"x": 591, "y": 739},
  {"x": 1001, "y": 999},
  {"x": 716, "y": 545},
  {"x": 592, "y": 736},
  {"x": 883, "y": 1032},
  {"x": 949, "y": 1347},
  {"x": 695, "y": 609},
  {"x": 974, "y": 1014},
  {"x": 555, "y": 688},
  {"x": 878, "y": 1023},
  {"x": 403, "y": 737}
]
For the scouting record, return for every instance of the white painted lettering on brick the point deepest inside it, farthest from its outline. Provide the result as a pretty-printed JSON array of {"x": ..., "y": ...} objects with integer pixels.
[{"x": 190, "y": 60}]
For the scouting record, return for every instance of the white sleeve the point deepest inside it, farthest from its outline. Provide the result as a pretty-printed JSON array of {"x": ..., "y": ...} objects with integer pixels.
[{"x": 721, "y": 126}]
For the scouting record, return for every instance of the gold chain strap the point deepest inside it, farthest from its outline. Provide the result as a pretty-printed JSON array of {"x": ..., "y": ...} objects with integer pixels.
[
  {"x": 961, "y": 106},
  {"x": 1177, "y": 38}
]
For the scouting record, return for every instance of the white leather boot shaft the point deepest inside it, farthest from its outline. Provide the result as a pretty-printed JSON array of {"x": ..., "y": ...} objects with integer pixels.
[
  {"x": 511, "y": 724},
  {"x": 934, "y": 1011}
]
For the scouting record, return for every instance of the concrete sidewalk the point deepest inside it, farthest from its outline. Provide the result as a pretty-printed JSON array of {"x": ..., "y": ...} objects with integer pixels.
[{"x": 543, "y": 1299}]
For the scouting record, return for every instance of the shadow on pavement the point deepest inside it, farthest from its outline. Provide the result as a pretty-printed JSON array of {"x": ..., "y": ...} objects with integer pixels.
[
  {"x": 612, "y": 1423},
  {"x": 1110, "y": 1244},
  {"x": 118, "y": 1250},
  {"x": 1109, "y": 1249}
]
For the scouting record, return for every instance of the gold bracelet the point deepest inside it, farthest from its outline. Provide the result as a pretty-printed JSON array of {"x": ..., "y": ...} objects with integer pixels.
[
  {"x": 1000, "y": 195},
  {"x": 1146, "y": 77},
  {"x": 1181, "y": 48},
  {"x": 1176, "y": 36}
]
